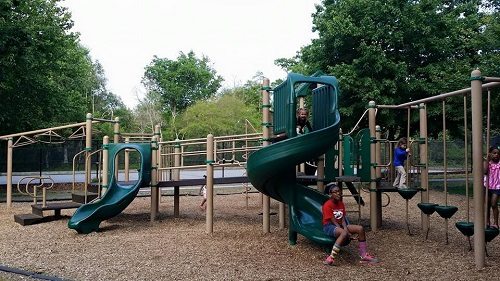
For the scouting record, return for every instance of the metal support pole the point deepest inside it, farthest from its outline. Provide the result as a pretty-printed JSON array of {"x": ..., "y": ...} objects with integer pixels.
[
  {"x": 176, "y": 176},
  {"x": 10, "y": 149},
  {"x": 159, "y": 175},
  {"x": 266, "y": 201},
  {"x": 374, "y": 203},
  {"x": 105, "y": 164},
  {"x": 424, "y": 175},
  {"x": 88, "y": 148},
  {"x": 210, "y": 185},
  {"x": 477, "y": 167},
  {"x": 378, "y": 174},
  {"x": 116, "y": 139},
  {"x": 127, "y": 161},
  {"x": 154, "y": 180}
]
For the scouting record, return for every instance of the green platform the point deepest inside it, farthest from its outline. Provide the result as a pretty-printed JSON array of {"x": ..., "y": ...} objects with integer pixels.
[{"x": 88, "y": 217}]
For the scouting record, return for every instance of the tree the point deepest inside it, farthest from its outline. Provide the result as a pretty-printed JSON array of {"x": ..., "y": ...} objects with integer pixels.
[
  {"x": 182, "y": 82},
  {"x": 226, "y": 115},
  {"x": 250, "y": 92},
  {"x": 148, "y": 113},
  {"x": 397, "y": 51},
  {"x": 44, "y": 73}
]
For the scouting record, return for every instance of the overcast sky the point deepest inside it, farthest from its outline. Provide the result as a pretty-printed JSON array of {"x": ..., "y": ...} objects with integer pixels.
[{"x": 239, "y": 37}]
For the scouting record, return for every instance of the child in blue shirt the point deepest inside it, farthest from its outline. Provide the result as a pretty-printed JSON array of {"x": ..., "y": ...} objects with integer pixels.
[{"x": 400, "y": 154}]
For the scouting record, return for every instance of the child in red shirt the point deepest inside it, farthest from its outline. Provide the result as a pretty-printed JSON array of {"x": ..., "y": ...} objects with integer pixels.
[{"x": 336, "y": 224}]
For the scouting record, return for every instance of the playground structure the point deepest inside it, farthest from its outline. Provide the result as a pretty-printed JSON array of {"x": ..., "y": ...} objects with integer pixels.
[
  {"x": 51, "y": 135},
  {"x": 272, "y": 169},
  {"x": 109, "y": 190},
  {"x": 305, "y": 204},
  {"x": 479, "y": 226}
]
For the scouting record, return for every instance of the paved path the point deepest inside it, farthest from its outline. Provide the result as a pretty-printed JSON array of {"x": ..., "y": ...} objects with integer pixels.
[{"x": 67, "y": 177}]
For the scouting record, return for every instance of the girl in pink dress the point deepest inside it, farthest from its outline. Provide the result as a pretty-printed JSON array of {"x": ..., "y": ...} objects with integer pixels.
[{"x": 492, "y": 183}]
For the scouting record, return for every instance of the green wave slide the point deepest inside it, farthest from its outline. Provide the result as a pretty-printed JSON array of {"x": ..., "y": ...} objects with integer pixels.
[
  {"x": 117, "y": 197},
  {"x": 271, "y": 170}
]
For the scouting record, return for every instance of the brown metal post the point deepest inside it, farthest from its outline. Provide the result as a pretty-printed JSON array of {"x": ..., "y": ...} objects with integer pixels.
[
  {"x": 88, "y": 148},
  {"x": 375, "y": 205},
  {"x": 10, "y": 149},
  {"x": 378, "y": 151},
  {"x": 154, "y": 180},
  {"x": 466, "y": 157},
  {"x": 445, "y": 159},
  {"x": 424, "y": 175},
  {"x": 159, "y": 172},
  {"x": 210, "y": 185},
  {"x": 127, "y": 161},
  {"x": 105, "y": 164},
  {"x": 477, "y": 167},
  {"x": 378, "y": 174},
  {"x": 266, "y": 105},
  {"x": 158, "y": 134},
  {"x": 116, "y": 139},
  {"x": 176, "y": 177}
]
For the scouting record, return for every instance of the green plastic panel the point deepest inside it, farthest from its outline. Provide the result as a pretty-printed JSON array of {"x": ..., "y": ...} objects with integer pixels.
[{"x": 285, "y": 100}]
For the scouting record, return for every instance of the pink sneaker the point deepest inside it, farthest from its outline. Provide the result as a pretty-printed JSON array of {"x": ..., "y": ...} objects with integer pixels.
[
  {"x": 329, "y": 260},
  {"x": 369, "y": 259}
]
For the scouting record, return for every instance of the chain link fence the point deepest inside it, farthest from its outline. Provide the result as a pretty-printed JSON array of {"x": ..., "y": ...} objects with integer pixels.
[{"x": 45, "y": 157}]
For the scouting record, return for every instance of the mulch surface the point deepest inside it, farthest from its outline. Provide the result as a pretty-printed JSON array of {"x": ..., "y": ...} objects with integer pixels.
[{"x": 131, "y": 247}]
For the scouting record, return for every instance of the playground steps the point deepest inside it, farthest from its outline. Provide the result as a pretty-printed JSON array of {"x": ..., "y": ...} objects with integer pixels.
[
  {"x": 37, "y": 215},
  {"x": 27, "y": 219},
  {"x": 38, "y": 209},
  {"x": 92, "y": 193}
]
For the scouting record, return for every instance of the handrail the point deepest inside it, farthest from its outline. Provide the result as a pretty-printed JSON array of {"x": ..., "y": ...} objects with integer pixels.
[
  {"x": 34, "y": 193},
  {"x": 247, "y": 123},
  {"x": 236, "y": 149},
  {"x": 446, "y": 95},
  {"x": 204, "y": 140},
  {"x": 359, "y": 121},
  {"x": 44, "y": 130},
  {"x": 98, "y": 174},
  {"x": 74, "y": 169}
]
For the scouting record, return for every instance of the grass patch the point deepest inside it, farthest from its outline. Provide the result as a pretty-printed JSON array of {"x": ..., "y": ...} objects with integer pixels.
[{"x": 453, "y": 187}]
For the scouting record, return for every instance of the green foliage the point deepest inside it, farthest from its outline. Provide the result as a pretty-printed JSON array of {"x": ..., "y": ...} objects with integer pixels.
[
  {"x": 226, "y": 115},
  {"x": 45, "y": 75},
  {"x": 250, "y": 92},
  {"x": 397, "y": 51},
  {"x": 174, "y": 85},
  {"x": 181, "y": 82}
]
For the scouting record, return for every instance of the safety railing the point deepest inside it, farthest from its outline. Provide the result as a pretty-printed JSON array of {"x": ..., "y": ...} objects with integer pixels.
[{"x": 31, "y": 188}]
